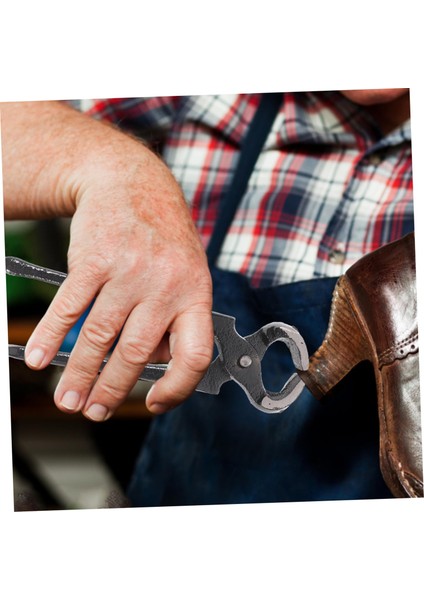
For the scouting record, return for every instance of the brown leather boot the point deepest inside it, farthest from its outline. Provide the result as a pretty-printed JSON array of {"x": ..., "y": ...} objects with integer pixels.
[{"x": 374, "y": 317}]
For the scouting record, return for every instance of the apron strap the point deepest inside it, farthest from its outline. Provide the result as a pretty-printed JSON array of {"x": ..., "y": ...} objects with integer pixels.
[{"x": 251, "y": 146}]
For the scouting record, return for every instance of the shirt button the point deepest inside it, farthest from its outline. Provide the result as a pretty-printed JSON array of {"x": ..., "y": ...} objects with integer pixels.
[
  {"x": 337, "y": 257},
  {"x": 374, "y": 160}
]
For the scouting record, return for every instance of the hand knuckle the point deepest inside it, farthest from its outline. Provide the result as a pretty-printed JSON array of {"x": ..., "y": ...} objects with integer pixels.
[
  {"x": 93, "y": 269},
  {"x": 79, "y": 372},
  {"x": 111, "y": 393},
  {"x": 133, "y": 352},
  {"x": 65, "y": 310},
  {"x": 99, "y": 336},
  {"x": 198, "y": 360}
]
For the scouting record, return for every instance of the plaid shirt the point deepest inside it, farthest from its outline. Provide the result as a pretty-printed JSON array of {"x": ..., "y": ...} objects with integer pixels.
[{"x": 327, "y": 188}]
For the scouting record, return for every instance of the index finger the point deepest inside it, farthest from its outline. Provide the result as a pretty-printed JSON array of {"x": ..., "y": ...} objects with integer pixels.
[{"x": 73, "y": 298}]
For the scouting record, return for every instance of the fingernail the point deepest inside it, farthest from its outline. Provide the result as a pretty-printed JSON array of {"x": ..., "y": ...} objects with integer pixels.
[
  {"x": 35, "y": 358},
  {"x": 149, "y": 393},
  {"x": 97, "y": 412},
  {"x": 157, "y": 409},
  {"x": 70, "y": 400}
]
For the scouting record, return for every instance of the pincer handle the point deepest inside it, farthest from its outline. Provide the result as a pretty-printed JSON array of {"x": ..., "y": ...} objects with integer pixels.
[{"x": 21, "y": 268}]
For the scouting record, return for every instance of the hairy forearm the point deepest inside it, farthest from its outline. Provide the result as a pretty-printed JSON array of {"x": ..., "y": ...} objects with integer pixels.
[{"x": 50, "y": 152}]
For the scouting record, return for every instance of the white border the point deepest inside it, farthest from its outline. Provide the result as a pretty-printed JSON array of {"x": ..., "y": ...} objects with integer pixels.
[{"x": 80, "y": 50}]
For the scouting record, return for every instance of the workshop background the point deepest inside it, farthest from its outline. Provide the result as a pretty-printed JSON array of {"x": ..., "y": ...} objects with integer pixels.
[{"x": 60, "y": 461}]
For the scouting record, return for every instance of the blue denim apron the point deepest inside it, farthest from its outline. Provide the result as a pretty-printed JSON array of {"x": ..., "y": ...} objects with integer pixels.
[{"x": 220, "y": 449}]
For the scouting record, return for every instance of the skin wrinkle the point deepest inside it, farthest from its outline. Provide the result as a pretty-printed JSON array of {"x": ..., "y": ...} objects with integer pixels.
[{"x": 35, "y": 178}]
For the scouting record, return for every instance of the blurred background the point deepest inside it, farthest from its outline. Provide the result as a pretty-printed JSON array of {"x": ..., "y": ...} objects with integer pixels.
[{"x": 60, "y": 461}]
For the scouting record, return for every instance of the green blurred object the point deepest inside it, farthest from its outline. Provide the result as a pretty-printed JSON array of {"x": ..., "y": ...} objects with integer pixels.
[
  {"x": 18, "y": 290},
  {"x": 26, "y": 240}
]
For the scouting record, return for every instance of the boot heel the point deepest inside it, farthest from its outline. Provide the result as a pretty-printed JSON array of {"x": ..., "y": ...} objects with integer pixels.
[{"x": 344, "y": 346}]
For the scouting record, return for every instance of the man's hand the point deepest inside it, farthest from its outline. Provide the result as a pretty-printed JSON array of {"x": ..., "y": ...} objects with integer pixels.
[{"x": 133, "y": 248}]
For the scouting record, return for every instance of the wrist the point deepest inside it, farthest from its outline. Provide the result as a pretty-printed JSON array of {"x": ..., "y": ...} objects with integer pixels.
[{"x": 51, "y": 153}]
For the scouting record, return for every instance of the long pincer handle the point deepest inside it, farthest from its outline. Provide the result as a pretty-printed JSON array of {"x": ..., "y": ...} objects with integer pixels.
[
  {"x": 151, "y": 372},
  {"x": 21, "y": 268}
]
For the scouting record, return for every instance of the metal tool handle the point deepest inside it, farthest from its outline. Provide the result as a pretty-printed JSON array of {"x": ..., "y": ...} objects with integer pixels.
[
  {"x": 151, "y": 372},
  {"x": 22, "y": 268}
]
